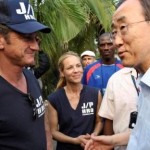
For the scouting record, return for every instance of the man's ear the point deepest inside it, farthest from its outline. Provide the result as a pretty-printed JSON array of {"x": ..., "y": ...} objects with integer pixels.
[{"x": 1, "y": 42}]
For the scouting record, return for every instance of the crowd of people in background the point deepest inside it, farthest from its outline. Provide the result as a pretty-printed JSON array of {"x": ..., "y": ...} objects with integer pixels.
[{"x": 100, "y": 103}]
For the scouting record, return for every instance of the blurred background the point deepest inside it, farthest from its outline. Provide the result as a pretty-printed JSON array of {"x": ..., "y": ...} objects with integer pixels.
[{"x": 75, "y": 25}]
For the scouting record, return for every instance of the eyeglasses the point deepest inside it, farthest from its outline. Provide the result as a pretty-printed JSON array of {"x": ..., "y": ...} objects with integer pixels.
[
  {"x": 33, "y": 102},
  {"x": 123, "y": 29}
]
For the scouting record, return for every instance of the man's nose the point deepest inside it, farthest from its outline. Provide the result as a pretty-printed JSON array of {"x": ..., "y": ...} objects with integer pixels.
[
  {"x": 118, "y": 41},
  {"x": 34, "y": 45},
  {"x": 106, "y": 46}
]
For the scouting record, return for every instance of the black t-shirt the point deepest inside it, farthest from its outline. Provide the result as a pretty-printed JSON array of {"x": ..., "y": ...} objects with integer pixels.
[
  {"x": 75, "y": 122},
  {"x": 18, "y": 129}
]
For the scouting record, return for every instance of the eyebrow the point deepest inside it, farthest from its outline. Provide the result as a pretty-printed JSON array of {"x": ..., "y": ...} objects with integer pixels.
[{"x": 122, "y": 18}]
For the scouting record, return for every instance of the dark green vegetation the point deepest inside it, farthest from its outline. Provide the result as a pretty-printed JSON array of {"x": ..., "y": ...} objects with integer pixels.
[{"x": 75, "y": 25}]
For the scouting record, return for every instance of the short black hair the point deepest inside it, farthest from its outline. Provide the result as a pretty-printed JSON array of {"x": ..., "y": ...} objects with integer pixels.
[
  {"x": 119, "y": 3},
  {"x": 108, "y": 34}
]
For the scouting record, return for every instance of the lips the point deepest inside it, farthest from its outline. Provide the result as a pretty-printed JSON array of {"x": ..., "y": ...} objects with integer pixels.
[
  {"x": 121, "y": 54},
  {"x": 107, "y": 53},
  {"x": 77, "y": 76}
]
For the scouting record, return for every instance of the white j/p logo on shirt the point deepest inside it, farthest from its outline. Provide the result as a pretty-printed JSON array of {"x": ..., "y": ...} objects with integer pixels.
[
  {"x": 87, "y": 108},
  {"x": 40, "y": 108}
]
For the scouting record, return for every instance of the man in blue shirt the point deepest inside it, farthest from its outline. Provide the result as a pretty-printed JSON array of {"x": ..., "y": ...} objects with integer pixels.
[{"x": 98, "y": 73}]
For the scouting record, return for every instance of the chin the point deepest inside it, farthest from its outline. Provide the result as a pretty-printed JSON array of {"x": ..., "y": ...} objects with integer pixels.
[
  {"x": 30, "y": 64},
  {"x": 127, "y": 63},
  {"x": 77, "y": 81}
]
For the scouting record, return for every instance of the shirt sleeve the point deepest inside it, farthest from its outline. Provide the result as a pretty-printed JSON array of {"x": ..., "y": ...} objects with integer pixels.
[
  {"x": 107, "y": 108},
  {"x": 52, "y": 98}
]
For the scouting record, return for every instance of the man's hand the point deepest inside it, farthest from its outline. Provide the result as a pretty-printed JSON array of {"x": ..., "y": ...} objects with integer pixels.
[{"x": 98, "y": 143}]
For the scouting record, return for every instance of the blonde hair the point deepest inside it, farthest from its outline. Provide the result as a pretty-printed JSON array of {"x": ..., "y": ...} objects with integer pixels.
[{"x": 62, "y": 81}]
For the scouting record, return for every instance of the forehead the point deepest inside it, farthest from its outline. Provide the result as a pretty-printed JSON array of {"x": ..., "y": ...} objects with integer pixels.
[
  {"x": 71, "y": 60},
  {"x": 105, "y": 39},
  {"x": 87, "y": 56},
  {"x": 129, "y": 11}
]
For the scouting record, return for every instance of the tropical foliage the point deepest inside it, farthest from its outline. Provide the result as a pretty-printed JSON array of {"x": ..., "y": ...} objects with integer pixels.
[{"x": 74, "y": 25}]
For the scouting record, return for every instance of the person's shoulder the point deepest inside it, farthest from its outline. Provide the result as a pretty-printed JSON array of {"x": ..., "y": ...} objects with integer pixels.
[
  {"x": 90, "y": 88},
  {"x": 55, "y": 94},
  {"x": 94, "y": 64},
  {"x": 125, "y": 70},
  {"x": 90, "y": 92},
  {"x": 122, "y": 72},
  {"x": 56, "y": 91},
  {"x": 145, "y": 78},
  {"x": 118, "y": 61},
  {"x": 119, "y": 64}
]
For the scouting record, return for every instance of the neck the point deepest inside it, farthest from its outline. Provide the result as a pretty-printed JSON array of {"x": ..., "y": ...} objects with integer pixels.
[
  {"x": 9, "y": 69},
  {"x": 12, "y": 72},
  {"x": 73, "y": 88},
  {"x": 108, "y": 61},
  {"x": 143, "y": 67},
  {"x": 13, "y": 75}
]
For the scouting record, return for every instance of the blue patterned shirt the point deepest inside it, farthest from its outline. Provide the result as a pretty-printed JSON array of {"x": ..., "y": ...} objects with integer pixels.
[{"x": 140, "y": 135}]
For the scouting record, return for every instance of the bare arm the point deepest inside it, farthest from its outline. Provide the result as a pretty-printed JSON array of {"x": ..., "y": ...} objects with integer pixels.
[
  {"x": 47, "y": 129},
  {"x": 53, "y": 118},
  {"x": 116, "y": 139},
  {"x": 98, "y": 142},
  {"x": 108, "y": 127},
  {"x": 121, "y": 138},
  {"x": 99, "y": 122}
]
